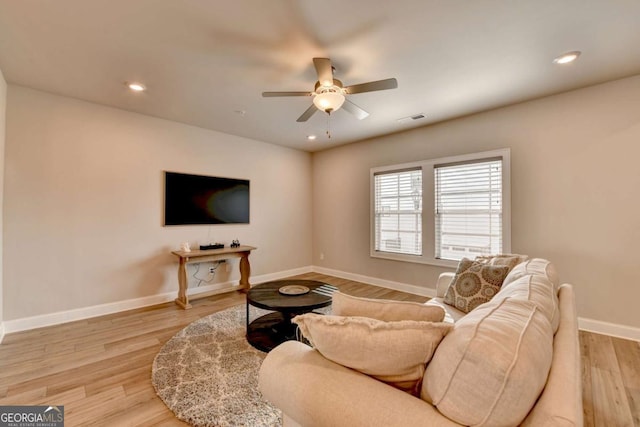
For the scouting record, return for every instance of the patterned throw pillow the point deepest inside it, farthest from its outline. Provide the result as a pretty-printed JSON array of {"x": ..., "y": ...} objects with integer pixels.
[
  {"x": 510, "y": 260},
  {"x": 475, "y": 283}
]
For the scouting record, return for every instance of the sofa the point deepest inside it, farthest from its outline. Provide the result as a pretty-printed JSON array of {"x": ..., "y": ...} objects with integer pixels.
[{"x": 472, "y": 379}]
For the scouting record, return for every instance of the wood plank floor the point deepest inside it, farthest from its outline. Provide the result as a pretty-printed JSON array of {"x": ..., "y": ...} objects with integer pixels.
[{"x": 100, "y": 368}]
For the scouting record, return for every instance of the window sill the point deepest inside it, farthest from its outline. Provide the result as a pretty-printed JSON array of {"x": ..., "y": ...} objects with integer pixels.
[{"x": 415, "y": 259}]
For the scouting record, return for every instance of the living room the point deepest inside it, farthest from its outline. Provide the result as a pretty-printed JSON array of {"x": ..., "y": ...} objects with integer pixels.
[{"x": 82, "y": 190}]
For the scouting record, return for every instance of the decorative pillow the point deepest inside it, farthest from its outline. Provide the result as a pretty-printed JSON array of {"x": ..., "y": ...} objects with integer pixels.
[
  {"x": 510, "y": 260},
  {"x": 385, "y": 310},
  {"x": 474, "y": 283},
  {"x": 491, "y": 368},
  {"x": 393, "y": 352}
]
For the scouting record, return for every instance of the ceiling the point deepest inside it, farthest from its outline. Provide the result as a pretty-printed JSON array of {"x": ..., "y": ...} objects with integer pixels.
[{"x": 206, "y": 63}]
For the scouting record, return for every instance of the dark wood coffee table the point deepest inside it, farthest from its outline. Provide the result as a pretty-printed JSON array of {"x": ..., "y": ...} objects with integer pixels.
[{"x": 270, "y": 330}]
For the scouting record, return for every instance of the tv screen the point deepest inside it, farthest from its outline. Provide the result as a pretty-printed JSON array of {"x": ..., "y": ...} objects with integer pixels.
[{"x": 198, "y": 199}]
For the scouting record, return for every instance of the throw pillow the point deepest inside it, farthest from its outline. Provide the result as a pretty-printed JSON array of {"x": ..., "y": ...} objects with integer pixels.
[
  {"x": 474, "y": 283},
  {"x": 491, "y": 368},
  {"x": 385, "y": 310},
  {"x": 393, "y": 352},
  {"x": 510, "y": 260}
]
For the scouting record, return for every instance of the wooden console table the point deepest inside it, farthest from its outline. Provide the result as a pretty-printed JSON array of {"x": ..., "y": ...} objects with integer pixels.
[{"x": 197, "y": 256}]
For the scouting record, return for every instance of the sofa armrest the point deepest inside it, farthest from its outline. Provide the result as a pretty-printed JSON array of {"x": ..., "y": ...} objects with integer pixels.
[
  {"x": 444, "y": 280},
  {"x": 314, "y": 391},
  {"x": 560, "y": 403}
]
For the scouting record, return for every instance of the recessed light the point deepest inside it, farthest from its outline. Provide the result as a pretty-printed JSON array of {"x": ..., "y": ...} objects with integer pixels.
[
  {"x": 568, "y": 57},
  {"x": 136, "y": 87},
  {"x": 311, "y": 137}
]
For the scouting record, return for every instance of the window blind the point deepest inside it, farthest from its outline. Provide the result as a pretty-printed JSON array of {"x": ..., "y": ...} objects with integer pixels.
[
  {"x": 398, "y": 211},
  {"x": 468, "y": 204}
]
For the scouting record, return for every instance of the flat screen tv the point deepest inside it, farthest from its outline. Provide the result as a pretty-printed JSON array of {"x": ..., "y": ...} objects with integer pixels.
[{"x": 198, "y": 199}]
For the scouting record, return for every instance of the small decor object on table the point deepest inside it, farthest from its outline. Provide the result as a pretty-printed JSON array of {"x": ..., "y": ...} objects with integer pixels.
[
  {"x": 185, "y": 247},
  {"x": 293, "y": 290},
  {"x": 235, "y": 243},
  {"x": 212, "y": 246}
]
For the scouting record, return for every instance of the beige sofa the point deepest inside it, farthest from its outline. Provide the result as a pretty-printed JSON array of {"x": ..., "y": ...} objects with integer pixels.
[{"x": 313, "y": 391}]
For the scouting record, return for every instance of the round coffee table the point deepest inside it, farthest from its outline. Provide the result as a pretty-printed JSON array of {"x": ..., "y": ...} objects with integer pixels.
[{"x": 270, "y": 330}]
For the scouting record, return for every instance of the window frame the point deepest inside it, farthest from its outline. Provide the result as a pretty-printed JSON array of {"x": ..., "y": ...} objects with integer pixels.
[
  {"x": 417, "y": 215},
  {"x": 428, "y": 205}
]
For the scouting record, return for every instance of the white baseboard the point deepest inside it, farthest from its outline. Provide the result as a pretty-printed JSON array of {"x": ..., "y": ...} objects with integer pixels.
[
  {"x": 27, "y": 323},
  {"x": 389, "y": 284},
  {"x": 611, "y": 329},
  {"x": 49, "y": 319}
]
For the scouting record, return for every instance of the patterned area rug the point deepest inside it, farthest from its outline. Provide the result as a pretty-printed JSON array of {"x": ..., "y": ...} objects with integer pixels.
[{"x": 207, "y": 374}]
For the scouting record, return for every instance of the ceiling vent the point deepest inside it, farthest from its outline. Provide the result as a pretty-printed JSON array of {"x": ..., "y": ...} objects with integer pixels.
[{"x": 411, "y": 118}]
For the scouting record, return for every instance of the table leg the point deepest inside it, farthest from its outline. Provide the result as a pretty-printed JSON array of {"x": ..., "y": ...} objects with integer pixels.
[
  {"x": 247, "y": 304},
  {"x": 183, "y": 299},
  {"x": 245, "y": 272}
]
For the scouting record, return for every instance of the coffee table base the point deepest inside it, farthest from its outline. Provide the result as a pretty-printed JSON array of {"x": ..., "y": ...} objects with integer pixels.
[{"x": 269, "y": 331}]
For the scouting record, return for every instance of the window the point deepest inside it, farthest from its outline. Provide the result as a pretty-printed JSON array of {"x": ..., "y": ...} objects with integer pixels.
[
  {"x": 398, "y": 212},
  {"x": 442, "y": 210},
  {"x": 468, "y": 212}
]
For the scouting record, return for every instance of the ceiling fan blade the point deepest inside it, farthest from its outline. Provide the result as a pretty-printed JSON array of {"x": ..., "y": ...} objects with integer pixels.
[
  {"x": 324, "y": 70},
  {"x": 270, "y": 94},
  {"x": 307, "y": 114},
  {"x": 372, "y": 86},
  {"x": 355, "y": 110}
]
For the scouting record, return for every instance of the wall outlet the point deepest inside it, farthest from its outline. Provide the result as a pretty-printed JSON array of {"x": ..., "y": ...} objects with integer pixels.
[{"x": 212, "y": 270}]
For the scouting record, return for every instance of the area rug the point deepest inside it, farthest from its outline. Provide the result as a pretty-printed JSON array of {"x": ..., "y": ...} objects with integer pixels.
[{"x": 207, "y": 374}]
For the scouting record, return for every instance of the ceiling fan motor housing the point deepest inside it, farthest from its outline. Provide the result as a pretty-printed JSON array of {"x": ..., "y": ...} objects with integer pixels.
[
  {"x": 328, "y": 98},
  {"x": 336, "y": 84}
]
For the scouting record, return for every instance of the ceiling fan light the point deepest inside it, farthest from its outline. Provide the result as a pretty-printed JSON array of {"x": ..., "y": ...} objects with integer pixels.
[{"x": 328, "y": 101}]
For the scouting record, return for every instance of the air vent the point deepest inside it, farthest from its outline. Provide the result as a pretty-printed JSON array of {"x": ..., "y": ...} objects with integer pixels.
[{"x": 411, "y": 118}]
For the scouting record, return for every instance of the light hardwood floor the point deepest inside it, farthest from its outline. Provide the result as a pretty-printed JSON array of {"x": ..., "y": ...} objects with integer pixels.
[{"x": 100, "y": 369}]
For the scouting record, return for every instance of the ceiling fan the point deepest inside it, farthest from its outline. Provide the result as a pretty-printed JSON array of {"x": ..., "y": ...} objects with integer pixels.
[{"x": 329, "y": 93}]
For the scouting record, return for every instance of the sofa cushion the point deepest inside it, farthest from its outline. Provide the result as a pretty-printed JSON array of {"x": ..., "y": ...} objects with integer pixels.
[
  {"x": 538, "y": 290},
  {"x": 393, "y": 352},
  {"x": 536, "y": 266},
  {"x": 490, "y": 369},
  {"x": 474, "y": 283},
  {"x": 560, "y": 404},
  {"x": 386, "y": 310}
]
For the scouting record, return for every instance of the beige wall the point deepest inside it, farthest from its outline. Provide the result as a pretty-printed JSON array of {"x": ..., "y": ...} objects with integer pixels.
[
  {"x": 84, "y": 197},
  {"x": 3, "y": 105},
  {"x": 574, "y": 178}
]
